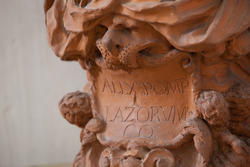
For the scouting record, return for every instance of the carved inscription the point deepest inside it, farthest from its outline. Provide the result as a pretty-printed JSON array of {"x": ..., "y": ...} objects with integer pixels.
[
  {"x": 166, "y": 88},
  {"x": 145, "y": 131},
  {"x": 141, "y": 121},
  {"x": 173, "y": 114},
  {"x": 152, "y": 107}
]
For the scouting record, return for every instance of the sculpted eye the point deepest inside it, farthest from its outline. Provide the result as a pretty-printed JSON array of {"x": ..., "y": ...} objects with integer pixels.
[
  {"x": 127, "y": 30},
  {"x": 145, "y": 52},
  {"x": 121, "y": 27},
  {"x": 100, "y": 31},
  {"x": 153, "y": 49},
  {"x": 81, "y": 3}
]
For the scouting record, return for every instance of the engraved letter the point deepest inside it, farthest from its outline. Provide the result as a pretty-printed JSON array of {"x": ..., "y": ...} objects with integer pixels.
[
  {"x": 143, "y": 116},
  {"x": 107, "y": 86}
]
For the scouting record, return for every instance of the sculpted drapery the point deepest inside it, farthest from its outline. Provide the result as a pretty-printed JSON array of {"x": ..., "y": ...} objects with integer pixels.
[
  {"x": 168, "y": 80},
  {"x": 189, "y": 25}
]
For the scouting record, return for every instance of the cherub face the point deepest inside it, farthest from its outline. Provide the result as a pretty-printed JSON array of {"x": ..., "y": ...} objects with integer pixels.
[{"x": 216, "y": 116}]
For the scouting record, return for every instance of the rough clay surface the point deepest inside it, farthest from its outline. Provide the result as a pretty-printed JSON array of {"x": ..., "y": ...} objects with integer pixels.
[{"x": 169, "y": 80}]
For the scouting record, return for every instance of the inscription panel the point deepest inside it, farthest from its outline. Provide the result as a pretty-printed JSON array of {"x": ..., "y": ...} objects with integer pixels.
[
  {"x": 118, "y": 87},
  {"x": 148, "y": 103}
]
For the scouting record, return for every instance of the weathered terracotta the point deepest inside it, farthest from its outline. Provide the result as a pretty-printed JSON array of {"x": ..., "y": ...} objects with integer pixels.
[{"x": 168, "y": 80}]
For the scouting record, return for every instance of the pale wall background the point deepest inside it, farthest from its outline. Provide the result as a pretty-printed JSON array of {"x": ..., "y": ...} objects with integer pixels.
[{"x": 32, "y": 81}]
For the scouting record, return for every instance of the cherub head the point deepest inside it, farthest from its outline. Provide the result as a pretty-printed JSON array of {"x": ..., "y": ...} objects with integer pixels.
[
  {"x": 213, "y": 108},
  {"x": 76, "y": 108}
]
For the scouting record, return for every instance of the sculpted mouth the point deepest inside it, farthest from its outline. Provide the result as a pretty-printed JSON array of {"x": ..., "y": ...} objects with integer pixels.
[{"x": 134, "y": 55}]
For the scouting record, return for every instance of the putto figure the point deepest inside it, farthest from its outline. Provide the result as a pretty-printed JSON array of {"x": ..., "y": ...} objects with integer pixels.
[
  {"x": 214, "y": 110},
  {"x": 168, "y": 81}
]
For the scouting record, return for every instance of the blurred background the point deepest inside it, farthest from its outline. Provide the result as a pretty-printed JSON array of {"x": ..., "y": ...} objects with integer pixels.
[{"x": 32, "y": 81}]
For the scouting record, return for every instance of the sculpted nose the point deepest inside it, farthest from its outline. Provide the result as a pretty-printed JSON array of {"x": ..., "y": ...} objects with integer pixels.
[
  {"x": 118, "y": 47},
  {"x": 114, "y": 43},
  {"x": 114, "y": 39},
  {"x": 111, "y": 42}
]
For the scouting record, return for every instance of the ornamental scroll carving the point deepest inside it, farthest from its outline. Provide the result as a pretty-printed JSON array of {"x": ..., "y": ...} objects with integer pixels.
[{"x": 168, "y": 80}]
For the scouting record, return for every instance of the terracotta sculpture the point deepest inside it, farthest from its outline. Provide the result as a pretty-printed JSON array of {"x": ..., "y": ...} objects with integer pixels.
[{"x": 168, "y": 80}]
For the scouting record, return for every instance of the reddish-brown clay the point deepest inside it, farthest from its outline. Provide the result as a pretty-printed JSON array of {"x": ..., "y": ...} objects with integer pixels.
[{"x": 168, "y": 80}]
